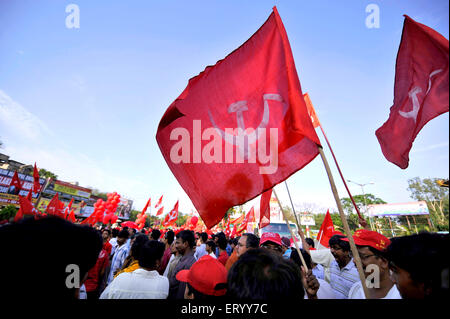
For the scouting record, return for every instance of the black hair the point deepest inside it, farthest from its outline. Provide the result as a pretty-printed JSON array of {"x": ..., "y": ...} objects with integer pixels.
[
  {"x": 198, "y": 295},
  {"x": 261, "y": 274},
  {"x": 170, "y": 236},
  {"x": 107, "y": 230},
  {"x": 310, "y": 242},
  {"x": 222, "y": 243},
  {"x": 203, "y": 237},
  {"x": 211, "y": 244},
  {"x": 139, "y": 241},
  {"x": 114, "y": 233},
  {"x": 336, "y": 240},
  {"x": 187, "y": 236},
  {"x": 425, "y": 257},
  {"x": 47, "y": 254},
  {"x": 296, "y": 258},
  {"x": 252, "y": 240},
  {"x": 156, "y": 233},
  {"x": 150, "y": 253},
  {"x": 123, "y": 234}
]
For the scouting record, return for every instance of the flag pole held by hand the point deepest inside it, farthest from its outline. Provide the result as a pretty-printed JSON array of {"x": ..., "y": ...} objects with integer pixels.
[
  {"x": 345, "y": 224},
  {"x": 290, "y": 230}
]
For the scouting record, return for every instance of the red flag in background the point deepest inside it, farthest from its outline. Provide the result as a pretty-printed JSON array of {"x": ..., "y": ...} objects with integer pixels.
[
  {"x": 264, "y": 209},
  {"x": 66, "y": 210},
  {"x": 172, "y": 216},
  {"x": 54, "y": 207},
  {"x": 248, "y": 219},
  {"x": 311, "y": 111},
  {"x": 159, "y": 201},
  {"x": 160, "y": 211},
  {"x": 255, "y": 87},
  {"x": 15, "y": 181},
  {"x": 36, "y": 185},
  {"x": 72, "y": 217},
  {"x": 146, "y": 206},
  {"x": 420, "y": 92},
  {"x": 326, "y": 230}
]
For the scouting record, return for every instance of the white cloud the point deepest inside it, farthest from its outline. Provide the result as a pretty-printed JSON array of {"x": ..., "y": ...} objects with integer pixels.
[{"x": 429, "y": 148}]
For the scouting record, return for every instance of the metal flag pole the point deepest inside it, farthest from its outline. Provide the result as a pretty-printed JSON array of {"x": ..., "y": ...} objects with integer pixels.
[
  {"x": 345, "y": 224},
  {"x": 290, "y": 230}
]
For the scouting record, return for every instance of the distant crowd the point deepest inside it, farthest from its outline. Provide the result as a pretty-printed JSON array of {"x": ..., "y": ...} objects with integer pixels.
[{"x": 53, "y": 258}]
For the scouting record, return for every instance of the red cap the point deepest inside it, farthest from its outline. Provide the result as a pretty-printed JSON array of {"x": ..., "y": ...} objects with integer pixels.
[
  {"x": 204, "y": 275},
  {"x": 364, "y": 237},
  {"x": 273, "y": 237},
  {"x": 336, "y": 232}
]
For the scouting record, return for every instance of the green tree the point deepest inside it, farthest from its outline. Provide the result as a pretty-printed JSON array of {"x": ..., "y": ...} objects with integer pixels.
[
  {"x": 435, "y": 196},
  {"x": 45, "y": 174},
  {"x": 8, "y": 212},
  {"x": 360, "y": 201},
  {"x": 100, "y": 194}
]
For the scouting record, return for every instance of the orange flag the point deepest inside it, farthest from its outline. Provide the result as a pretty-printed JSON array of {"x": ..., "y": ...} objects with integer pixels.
[{"x": 311, "y": 111}]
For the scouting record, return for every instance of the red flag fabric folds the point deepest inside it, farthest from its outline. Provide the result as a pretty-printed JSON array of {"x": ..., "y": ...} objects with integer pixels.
[
  {"x": 15, "y": 181},
  {"x": 160, "y": 211},
  {"x": 172, "y": 216},
  {"x": 146, "y": 206},
  {"x": 326, "y": 230},
  {"x": 420, "y": 92},
  {"x": 240, "y": 127},
  {"x": 36, "y": 185},
  {"x": 264, "y": 209},
  {"x": 159, "y": 201},
  {"x": 54, "y": 207}
]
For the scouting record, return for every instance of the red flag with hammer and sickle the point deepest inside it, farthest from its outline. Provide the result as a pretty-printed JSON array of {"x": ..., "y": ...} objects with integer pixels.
[
  {"x": 420, "y": 92},
  {"x": 240, "y": 127}
]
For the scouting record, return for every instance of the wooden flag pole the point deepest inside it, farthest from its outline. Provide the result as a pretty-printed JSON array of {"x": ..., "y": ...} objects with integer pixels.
[
  {"x": 292, "y": 204},
  {"x": 355, "y": 253},
  {"x": 290, "y": 230}
]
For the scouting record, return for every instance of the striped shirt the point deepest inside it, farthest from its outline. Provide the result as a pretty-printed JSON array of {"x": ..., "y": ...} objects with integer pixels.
[
  {"x": 341, "y": 280},
  {"x": 117, "y": 262}
]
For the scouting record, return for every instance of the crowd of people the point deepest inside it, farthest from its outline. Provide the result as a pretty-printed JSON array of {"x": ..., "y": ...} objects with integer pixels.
[{"x": 81, "y": 262}]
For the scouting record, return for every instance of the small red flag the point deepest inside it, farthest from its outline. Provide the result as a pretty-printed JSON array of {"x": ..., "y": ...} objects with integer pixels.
[
  {"x": 54, "y": 207},
  {"x": 159, "y": 201},
  {"x": 264, "y": 209},
  {"x": 15, "y": 181},
  {"x": 36, "y": 184},
  {"x": 248, "y": 218},
  {"x": 311, "y": 111},
  {"x": 326, "y": 230},
  {"x": 160, "y": 211},
  {"x": 66, "y": 210},
  {"x": 248, "y": 109},
  {"x": 420, "y": 92},
  {"x": 172, "y": 216},
  {"x": 72, "y": 217},
  {"x": 146, "y": 206}
]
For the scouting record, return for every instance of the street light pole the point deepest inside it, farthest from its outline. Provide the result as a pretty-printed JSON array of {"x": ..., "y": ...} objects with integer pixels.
[{"x": 364, "y": 197}]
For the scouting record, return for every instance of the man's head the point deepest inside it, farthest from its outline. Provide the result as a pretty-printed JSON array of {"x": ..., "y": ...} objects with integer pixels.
[
  {"x": 263, "y": 274},
  {"x": 185, "y": 241},
  {"x": 339, "y": 249},
  {"x": 246, "y": 242},
  {"x": 132, "y": 231},
  {"x": 419, "y": 265},
  {"x": 138, "y": 243},
  {"x": 310, "y": 242},
  {"x": 106, "y": 234},
  {"x": 122, "y": 237},
  {"x": 370, "y": 246},
  {"x": 222, "y": 243},
  {"x": 46, "y": 254},
  {"x": 210, "y": 246},
  {"x": 272, "y": 241},
  {"x": 205, "y": 279},
  {"x": 169, "y": 237},
  {"x": 114, "y": 232},
  {"x": 155, "y": 234},
  {"x": 150, "y": 254},
  {"x": 203, "y": 237},
  {"x": 286, "y": 243}
]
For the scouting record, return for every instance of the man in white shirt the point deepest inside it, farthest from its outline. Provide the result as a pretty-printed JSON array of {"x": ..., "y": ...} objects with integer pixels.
[
  {"x": 370, "y": 246},
  {"x": 200, "y": 250},
  {"x": 143, "y": 283}
]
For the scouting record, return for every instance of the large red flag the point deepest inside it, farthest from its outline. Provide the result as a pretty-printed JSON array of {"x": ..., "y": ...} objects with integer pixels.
[
  {"x": 326, "y": 230},
  {"x": 420, "y": 92},
  {"x": 264, "y": 209},
  {"x": 240, "y": 127},
  {"x": 36, "y": 185}
]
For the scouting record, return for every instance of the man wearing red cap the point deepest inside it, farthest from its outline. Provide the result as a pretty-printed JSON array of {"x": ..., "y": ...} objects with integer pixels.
[
  {"x": 272, "y": 241},
  {"x": 206, "y": 279},
  {"x": 371, "y": 246}
]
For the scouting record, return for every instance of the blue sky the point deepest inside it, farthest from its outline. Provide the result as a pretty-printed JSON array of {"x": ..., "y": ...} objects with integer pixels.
[{"x": 85, "y": 103}]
